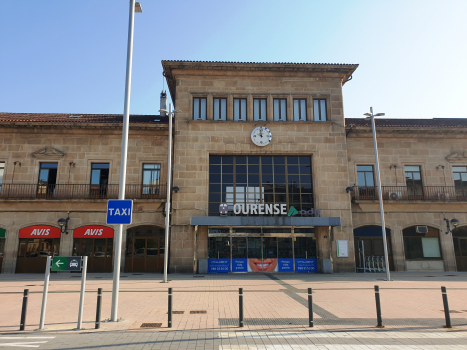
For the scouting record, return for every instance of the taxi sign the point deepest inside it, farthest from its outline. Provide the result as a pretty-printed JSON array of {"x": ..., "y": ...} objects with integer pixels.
[
  {"x": 119, "y": 211},
  {"x": 66, "y": 263}
]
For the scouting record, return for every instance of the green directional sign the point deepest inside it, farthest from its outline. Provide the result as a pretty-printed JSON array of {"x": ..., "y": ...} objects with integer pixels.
[
  {"x": 2, "y": 233},
  {"x": 66, "y": 263}
]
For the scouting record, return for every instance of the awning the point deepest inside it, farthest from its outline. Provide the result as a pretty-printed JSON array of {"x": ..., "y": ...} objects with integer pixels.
[{"x": 264, "y": 221}]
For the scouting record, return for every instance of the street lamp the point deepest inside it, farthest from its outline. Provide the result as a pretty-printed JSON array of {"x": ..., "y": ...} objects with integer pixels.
[
  {"x": 169, "y": 191},
  {"x": 454, "y": 223},
  {"x": 134, "y": 7},
  {"x": 372, "y": 116},
  {"x": 63, "y": 223}
]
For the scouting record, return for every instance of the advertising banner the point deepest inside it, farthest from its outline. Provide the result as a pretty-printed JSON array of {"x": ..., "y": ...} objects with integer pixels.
[
  {"x": 40, "y": 231},
  {"x": 93, "y": 232},
  {"x": 218, "y": 265},
  {"x": 239, "y": 265},
  {"x": 306, "y": 265},
  {"x": 262, "y": 265},
  {"x": 285, "y": 265}
]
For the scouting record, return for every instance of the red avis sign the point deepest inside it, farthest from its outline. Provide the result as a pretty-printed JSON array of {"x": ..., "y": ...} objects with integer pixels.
[
  {"x": 93, "y": 232},
  {"x": 40, "y": 231}
]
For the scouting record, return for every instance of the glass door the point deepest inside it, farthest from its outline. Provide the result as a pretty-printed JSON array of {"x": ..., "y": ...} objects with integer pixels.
[{"x": 262, "y": 254}]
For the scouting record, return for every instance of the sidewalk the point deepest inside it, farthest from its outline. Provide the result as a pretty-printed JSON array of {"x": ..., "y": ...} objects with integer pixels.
[{"x": 271, "y": 302}]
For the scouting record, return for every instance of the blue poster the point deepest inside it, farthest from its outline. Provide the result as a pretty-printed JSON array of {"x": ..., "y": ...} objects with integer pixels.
[
  {"x": 239, "y": 265},
  {"x": 285, "y": 265},
  {"x": 306, "y": 265},
  {"x": 218, "y": 265}
]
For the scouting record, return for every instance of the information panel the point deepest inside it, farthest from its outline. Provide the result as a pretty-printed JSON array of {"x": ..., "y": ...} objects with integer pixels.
[
  {"x": 285, "y": 265},
  {"x": 218, "y": 265},
  {"x": 306, "y": 265},
  {"x": 239, "y": 265}
]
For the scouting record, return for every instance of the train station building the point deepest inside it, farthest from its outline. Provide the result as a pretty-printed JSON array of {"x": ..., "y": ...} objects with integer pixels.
[{"x": 268, "y": 176}]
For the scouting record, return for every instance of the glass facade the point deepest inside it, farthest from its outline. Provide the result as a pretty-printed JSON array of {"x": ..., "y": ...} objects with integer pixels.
[{"x": 260, "y": 180}]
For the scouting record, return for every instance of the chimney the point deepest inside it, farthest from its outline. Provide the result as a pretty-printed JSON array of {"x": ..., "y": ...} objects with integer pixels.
[{"x": 163, "y": 102}]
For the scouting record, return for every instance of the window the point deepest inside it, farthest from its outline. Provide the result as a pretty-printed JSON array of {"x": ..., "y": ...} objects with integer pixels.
[
  {"x": 413, "y": 176},
  {"x": 260, "y": 180},
  {"x": 151, "y": 177},
  {"x": 259, "y": 109},
  {"x": 319, "y": 110},
  {"x": 199, "y": 108},
  {"x": 47, "y": 179},
  {"x": 2, "y": 169},
  {"x": 280, "y": 109},
  {"x": 220, "y": 109},
  {"x": 99, "y": 179},
  {"x": 239, "y": 109},
  {"x": 460, "y": 180},
  {"x": 421, "y": 245},
  {"x": 365, "y": 176},
  {"x": 299, "y": 109}
]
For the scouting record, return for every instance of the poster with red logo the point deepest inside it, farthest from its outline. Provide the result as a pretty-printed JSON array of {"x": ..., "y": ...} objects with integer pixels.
[
  {"x": 40, "y": 231},
  {"x": 93, "y": 232}
]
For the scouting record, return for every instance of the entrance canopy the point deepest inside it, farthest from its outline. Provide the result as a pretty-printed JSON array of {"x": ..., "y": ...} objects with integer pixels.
[{"x": 264, "y": 221}]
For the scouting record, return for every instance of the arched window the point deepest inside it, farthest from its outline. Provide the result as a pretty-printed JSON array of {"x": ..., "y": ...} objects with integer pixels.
[{"x": 421, "y": 242}]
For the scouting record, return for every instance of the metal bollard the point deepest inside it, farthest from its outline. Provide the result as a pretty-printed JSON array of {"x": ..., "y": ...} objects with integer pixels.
[
  {"x": 240, "y": 307},
  {"x": 446, "y": 308},
  {"x": 378, "y": 308},
  {"x": 310, "y": 307},
  {"x": 23, "y": 310},
  {"x": 169, "y": 323},
  {"x": 98, "y": 308}
]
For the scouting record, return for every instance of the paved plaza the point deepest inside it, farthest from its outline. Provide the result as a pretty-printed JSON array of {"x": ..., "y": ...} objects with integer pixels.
[{"x": 206, "y": 311}]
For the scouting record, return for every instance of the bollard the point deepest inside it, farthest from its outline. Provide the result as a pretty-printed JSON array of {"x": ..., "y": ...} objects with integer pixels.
[
  {"x": 378, "y": 308},
  {"x": 169, "y": 323},
  {"x": 446, "y": 308},
  {"x": 310, "y": 307},
  {"x": 240, "y": 307},
  {"x": 98, "y": 308},
  {"x": 23, "y": 310}
]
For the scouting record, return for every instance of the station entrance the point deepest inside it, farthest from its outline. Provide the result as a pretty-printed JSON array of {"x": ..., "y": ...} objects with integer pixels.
[{"x": 261, "y": 249}]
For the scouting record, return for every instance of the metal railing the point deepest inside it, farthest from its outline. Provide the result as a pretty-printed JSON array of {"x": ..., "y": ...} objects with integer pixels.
[
  {"x": 406, "y": 193},
  {"x": 80, "y": 191}
]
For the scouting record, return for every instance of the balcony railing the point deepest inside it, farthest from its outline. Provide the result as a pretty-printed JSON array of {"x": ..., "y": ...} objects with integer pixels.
[
  {"x": 75, "y": 191},
  {"x": 405, "y": 193}
]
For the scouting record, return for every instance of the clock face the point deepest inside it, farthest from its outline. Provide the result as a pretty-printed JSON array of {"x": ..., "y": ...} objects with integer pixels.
[{"x": 261, "y": 136}]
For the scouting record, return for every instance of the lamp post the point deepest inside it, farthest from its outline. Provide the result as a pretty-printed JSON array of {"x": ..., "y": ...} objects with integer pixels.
[
  {"x": 169, "y": 191},
  {"x": 372, "y": 116},
  {"x": 134, "y": 7}
]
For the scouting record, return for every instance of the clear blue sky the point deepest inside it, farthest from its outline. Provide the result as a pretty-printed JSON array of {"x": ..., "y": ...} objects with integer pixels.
[{"x": 69, "y": 56}]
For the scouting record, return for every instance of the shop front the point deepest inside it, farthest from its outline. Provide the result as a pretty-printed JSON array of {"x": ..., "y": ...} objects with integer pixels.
[
  {"x": 95, "y": 242},
  {"x": 261, "y": 249},
  {"x": 263, "y": 244},
  {"x": 36, "y": 243}
]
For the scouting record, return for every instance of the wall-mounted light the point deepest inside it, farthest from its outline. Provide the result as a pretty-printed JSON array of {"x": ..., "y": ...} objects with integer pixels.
[
  {"x": 454, "y": 223},
  {"x": 349, "y": 189},
  {"x": 63, "y": 223},
  {"x": 175, "y": 189}
]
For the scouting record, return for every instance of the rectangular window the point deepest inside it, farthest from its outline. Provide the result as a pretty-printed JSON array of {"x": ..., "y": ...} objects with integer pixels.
[
  {"x": 299, "y": 109},
  {"x": 2, "y": 169},
  {"x": 259, "y": 109},
  {"x": 47, "y": 179},
  {"x": 239, "y": 109},
  {"x": 365, "y": 176},
  {"x": 413, "y": 176},
  {"x": 421, "y": 245},
  {"x": 460, "y": 180},
  {"x": 319, "y": 110},
  {"x": 151, "y": 178},
  {"x": 199, "y": 108},
  {"x": 280, "y": 109},
  {"x": 220, "y": 109},
  {"x": 99, "y": 179},
  {"x": 260, "y": 180}
]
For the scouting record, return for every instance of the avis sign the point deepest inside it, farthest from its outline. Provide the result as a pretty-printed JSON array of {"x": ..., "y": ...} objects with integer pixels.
[{"x": 119, "y": 211}]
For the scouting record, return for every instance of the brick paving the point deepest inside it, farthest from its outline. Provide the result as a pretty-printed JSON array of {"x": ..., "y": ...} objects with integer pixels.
[{"x": 275, "y": 311}]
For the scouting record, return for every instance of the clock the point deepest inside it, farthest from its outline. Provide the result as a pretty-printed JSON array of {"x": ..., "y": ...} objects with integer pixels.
[{"x": 261, "y": 136}]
